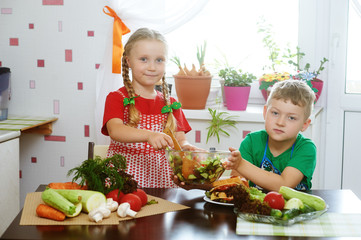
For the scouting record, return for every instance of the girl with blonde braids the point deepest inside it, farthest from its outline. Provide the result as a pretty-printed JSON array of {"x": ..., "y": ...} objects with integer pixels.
[{"x": 135, "y": 115}]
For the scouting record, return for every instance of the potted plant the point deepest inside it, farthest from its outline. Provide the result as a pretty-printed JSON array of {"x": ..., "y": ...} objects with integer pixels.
[
  {"x": 287, "y": 60},
  {"x": 218, "y": 124},
  {"x": 237, "y": 86},
  {"x": 193, "y": 86},
  {"x": 305, "y": 74}
]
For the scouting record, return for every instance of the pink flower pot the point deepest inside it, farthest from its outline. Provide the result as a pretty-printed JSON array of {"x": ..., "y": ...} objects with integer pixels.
[
  {"x": 237, "y": 97},
  {"x": 318, "y": 84}
]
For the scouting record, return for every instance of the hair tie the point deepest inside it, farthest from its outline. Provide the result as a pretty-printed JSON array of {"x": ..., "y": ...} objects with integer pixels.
[
  {"x": 130, "y": 100},
  {"x": 168, "y": 108}
]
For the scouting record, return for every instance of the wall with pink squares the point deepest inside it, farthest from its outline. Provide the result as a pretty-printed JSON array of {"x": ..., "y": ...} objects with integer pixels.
[{"x": 53, "y": 48}]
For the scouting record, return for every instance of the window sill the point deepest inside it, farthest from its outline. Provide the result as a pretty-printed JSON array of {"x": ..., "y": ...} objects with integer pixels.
[{"x": 253, "y": 113}]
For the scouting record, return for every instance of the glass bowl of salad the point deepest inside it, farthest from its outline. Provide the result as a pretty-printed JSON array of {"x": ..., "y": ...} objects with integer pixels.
[{"x": 197, "y": 167}]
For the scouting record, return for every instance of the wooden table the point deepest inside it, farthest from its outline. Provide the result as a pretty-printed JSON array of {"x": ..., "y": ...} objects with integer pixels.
[{"x": 202, "y": 221}]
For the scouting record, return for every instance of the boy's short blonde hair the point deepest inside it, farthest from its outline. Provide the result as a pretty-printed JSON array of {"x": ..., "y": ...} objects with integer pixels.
[{"x": 298, "y": 92}]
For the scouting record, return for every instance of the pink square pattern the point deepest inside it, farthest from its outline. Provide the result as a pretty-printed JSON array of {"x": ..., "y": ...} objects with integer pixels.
[
  {"x": 90, "y": 33},
  {"x": 33, "y": 159},
  {"x": 198, "y": 136},
  {"x": 32, "y": 84},
  {"x": 97, "y": 65},
  {"x": 6, "y": 10},
  {"x": 53, "y": 2},
  {"x": 80, "y": 86},
  {"x": 31, "y": 25},
  {"x": 86, "y": 130},
  {"x": 62, "y": 161},
  {"x": 68, "y": 55},
  {"x": 60, "y": 26},
  {"x": 244, "y": 133},
  {"x": 54, "y": 138},
  {"x": 14, "y": 41},
  {"x": 56, "y": 105},
  {"x": 41, "y": 63}
]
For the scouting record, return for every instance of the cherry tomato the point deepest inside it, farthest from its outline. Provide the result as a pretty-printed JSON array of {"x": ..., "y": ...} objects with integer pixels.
[
  {"x": 115, "y": 194},
  {"x": 275, "y": 200},
  {"x": 133, "y": 200},
  {"x": 142, "y": 195}
]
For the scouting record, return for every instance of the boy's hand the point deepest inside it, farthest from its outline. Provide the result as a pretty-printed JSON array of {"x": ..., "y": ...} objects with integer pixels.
[
  {"x": 160, "y": 140},
  {"x": 234, "y": 160}
]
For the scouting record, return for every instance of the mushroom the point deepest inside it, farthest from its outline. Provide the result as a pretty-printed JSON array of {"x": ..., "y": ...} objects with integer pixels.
[
  {"x": 99, "y": 213},
  {"x": 124, "y": 210},
  {"x": 111, "y": 204}
]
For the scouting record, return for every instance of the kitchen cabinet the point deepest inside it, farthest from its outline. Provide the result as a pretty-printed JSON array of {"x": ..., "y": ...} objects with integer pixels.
[
  {"x": 248, "y": 121},
  {"x": 10, "y": 132},
  {"x": 9, "y": 179}
]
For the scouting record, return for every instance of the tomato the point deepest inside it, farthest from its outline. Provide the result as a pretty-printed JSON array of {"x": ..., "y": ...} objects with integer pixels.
[
  {"x": 115, "y": 194},
  {"x": 142, "y": 195},
  {"x": 133, "y": 200},
  {"x": 275, "y": 200}
]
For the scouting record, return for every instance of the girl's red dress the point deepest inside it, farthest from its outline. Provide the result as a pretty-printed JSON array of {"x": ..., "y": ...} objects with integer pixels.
[{"x": 149, "y": 167}]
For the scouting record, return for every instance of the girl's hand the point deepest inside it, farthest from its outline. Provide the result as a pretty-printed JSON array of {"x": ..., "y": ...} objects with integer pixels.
[
  {"x": 234, "y": 160},
  {"x": 189, "y": 147},
  {"x": 159, "y": 140}
]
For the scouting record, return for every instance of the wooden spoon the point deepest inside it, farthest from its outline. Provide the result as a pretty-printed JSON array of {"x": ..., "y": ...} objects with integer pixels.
[
  {"x": 175, "y": 141},
  {"x": 187, "y": 164}
]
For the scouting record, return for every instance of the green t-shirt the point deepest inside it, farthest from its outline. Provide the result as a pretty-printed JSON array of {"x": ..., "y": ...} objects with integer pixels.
[{"x": 303, "y": 156}]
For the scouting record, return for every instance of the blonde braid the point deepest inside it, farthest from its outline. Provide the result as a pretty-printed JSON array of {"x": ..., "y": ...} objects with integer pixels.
[
  {"x": 133, "y": 111},
  {"x": 171, "y": 120}
]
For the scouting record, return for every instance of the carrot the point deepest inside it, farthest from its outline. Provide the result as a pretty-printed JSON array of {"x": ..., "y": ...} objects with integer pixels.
[
  {"x": 66, "y": 185},
  {"x": 46, "y": 211}
]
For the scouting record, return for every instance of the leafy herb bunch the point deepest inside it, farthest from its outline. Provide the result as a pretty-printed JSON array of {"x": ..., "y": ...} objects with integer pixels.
[{"x": 104, "y": 175}]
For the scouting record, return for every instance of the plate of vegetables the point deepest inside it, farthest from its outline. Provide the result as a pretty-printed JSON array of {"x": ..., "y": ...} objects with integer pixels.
[
  {"x": 286, "y": 207},
  {"x": 197, "y": 167}
]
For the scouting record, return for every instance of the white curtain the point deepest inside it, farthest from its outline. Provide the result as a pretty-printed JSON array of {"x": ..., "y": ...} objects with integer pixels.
[{"x": 162, "y": 15}]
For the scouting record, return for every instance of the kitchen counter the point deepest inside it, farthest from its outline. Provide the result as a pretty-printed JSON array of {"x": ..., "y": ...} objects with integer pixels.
[
  {"x": 28, "y": 124},
  {"x": 8, "y": 135}
]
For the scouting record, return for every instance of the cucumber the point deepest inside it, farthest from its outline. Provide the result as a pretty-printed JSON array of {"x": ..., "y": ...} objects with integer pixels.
[
  {"x": 204, "y": 175},
  {"x": 276, "y": 213},
  {"x": 55, "y": 200},
  {"x": 313, "y": 201},
  {"x": 291, "y": 213},
  {"x": 73, "y": 196},
  {"x": 306, "y": 208},
  {"x": 89, "y": 199},
  {"x": 191, "y": 176}
]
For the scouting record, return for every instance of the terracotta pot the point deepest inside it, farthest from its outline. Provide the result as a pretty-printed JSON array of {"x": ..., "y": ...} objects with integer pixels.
[
  {"x": 192, "y": 91},
  {"x": 237, "y": 97}
]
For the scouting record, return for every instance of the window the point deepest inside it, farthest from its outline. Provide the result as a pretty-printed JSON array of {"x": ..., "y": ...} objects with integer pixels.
[
  {"x": 230, "y": 29},
  {"x": 353, "y": 77}
]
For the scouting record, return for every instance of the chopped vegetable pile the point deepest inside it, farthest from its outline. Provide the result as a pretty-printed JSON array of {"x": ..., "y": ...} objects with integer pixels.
[
  {"x": 196, "y": 167},
  {"x": 284, "y": 205}
]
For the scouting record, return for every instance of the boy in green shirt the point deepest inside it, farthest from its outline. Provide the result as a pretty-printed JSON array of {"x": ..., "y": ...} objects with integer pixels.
[{"x": 280, "y": 155}]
